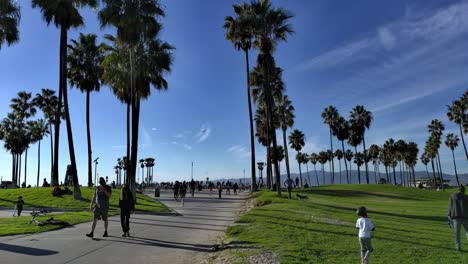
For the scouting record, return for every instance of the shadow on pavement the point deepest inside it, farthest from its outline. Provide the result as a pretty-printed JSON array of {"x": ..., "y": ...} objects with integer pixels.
[
  {"x": 165, "y": 244},
  {"x": 27, "y": 250}
]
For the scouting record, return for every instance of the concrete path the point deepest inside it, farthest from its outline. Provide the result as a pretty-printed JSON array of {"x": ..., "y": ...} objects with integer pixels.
[{"x": 183, "y": 237}]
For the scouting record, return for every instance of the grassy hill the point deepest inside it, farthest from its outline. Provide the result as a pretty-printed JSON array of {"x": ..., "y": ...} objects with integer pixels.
[{"x": 411, "y": 226}]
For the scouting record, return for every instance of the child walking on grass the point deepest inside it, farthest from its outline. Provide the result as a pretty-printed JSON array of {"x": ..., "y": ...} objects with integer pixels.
[{"x": 364, "y": 225}]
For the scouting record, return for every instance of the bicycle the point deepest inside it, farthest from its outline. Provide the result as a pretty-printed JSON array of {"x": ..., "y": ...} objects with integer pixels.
[{"x": 50, "y": 221}]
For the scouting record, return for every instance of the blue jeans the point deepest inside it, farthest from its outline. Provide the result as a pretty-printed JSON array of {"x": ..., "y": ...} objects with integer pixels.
[{"x": 457, "y": 223}]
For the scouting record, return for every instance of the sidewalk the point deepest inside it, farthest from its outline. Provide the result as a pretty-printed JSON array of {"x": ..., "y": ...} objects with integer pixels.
[{"x": 185, "y": 237}]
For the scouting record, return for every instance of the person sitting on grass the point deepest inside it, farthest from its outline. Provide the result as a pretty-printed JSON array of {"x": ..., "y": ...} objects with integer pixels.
[
  {"x": 19, "y": 206},
  {"x": 100, "y": 200},
  {"x": 458, "y": 213},
  {"x": 57, "y": 191},
  {"x": 364, "y": 225}
]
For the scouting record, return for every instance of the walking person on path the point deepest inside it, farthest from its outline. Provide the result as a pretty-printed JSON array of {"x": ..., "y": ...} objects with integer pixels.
[
  {"x": 289, "y": 183},
  {"x": 192, "y": 188},
  {"x": 183, "y": 192},
  {"x": 100, "y": 202},
  {"x": 127, "y": 206},
  {"x": 18, "y": 206},
  {"x": 365, "y": 226},
  {"x": 458, "y": 212},
  {"x": 235, "y": 187},
  {"x": 220, "y": 189},
  {"x": 176, "y": 190}
]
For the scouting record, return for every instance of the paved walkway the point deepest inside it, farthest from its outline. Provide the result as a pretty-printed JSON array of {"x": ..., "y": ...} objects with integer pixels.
[{"x": 185, "y": 237}]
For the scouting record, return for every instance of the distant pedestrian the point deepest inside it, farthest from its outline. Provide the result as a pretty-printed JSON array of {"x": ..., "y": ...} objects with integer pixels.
[
  {"x": 228, "y": 188},
  {"x": 220, "y": 189},
  {"x": 18, "y": 206},
  {"x": 192, "y": 188},
  {"x": 127, "y": 206},
  {"x": 458, "y": 212},
  {"x": 176, "y": 190},
  {"x": 289, "y": 183},
  {"x": 235, "y": 187},
  {"x": 183, "y": 192},
  {"x": 365, "y": 226},
  {"x": 297, "y": 181},
  {"x": 100, "y": 202}
]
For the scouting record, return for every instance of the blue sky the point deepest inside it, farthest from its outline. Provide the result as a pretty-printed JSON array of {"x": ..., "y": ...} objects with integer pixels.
[{"x": 404, "y": 60}]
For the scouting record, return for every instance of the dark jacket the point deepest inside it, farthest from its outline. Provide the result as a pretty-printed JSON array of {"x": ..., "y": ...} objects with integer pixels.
[
  {"x": 128, "y": 204},
  {"x": 458, "y": 206}
]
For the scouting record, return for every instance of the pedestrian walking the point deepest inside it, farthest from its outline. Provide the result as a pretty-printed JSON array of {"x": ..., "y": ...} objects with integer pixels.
[
  {"x": 176, "y": 190},
  {"x": 365, "y": 226},
  {"x": 18, "y": 206},
  {"x": 183, "y": 192},
  {"x": 289, "y": 183},
  {"x": 219, "y": 186},
  {"x": 235, "y": 187},
  {"x": 127, "y": 206},
  {"x": 100, "y": 205},
  {"x": 458, "y": 213}
]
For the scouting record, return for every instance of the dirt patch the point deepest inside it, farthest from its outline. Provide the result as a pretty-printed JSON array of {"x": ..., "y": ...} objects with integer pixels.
[{"x": 264, "y": 258}]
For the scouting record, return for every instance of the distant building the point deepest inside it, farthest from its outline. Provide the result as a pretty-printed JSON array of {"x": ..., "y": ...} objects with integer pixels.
[{"x": 428, "y": 183}]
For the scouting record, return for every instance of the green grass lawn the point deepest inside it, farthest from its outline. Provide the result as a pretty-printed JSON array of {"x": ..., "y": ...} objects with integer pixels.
[
  {"x": 411, "y": 226},
  {"x": 42, "y": 198}
]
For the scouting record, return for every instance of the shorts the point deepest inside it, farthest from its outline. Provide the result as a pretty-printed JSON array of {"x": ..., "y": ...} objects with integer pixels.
[{"x": 100, "y": 213}]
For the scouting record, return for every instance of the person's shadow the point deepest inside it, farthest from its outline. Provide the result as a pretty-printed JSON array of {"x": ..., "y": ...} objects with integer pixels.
[{"x": 26, "y": 250}]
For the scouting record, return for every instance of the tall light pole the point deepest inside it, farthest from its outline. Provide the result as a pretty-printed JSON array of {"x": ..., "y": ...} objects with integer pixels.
[
  {"x": 95, "y": 170},
  {"x": 192, "y": 170},
  {"x": 244, "y": 176}
]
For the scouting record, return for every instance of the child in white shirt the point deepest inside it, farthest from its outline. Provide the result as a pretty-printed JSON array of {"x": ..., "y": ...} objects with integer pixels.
[{"x": 364, "y": 225}]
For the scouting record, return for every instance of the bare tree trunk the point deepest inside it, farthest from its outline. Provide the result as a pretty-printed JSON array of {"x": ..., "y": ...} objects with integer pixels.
[
  {"x": 38, "y": 162},
  {"x": 441, "y": 173},
  {"x": 316, "y": 176},
  {"x": 286, "y": 153},
  {"x": 26, "y": 166},
  {"x": 332, "y": 159},
  {"x": 455, "y": 166},
  {"x": 51, "y": 154},
  {"x": 252, "y": 135},
  {"x": 365, "y": 158},
  {"x": 88, "y": 136},
  {"x": 346, "y": 165}
]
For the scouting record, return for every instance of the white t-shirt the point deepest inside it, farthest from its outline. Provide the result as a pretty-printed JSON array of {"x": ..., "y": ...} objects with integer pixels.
[{"x": 365, "y": 226}]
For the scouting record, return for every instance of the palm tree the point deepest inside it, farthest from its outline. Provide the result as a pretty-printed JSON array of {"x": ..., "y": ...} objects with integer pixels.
[
  {"x": 305, "y": 160},
  {"x": 330, "y": 116},
  {"x": 239, "y": 32},
  {"x": 9, "y": 21},
  {"x": 322, "y": 159},
  {"x": 349, "y": 157},
  {"x": 341, "y": 130},
  {"x": 425, "y": 160},
  {"x": 300, "y": 160},
  {"x": 411, "y": 158},
  {"x": 142, "y": 166},
  {"x": 330, "y": 158},
  {"x": 313, "y": 158},
  {"x": 355, "y": 138},
  {"x": 431, "y": 153},
  {"x": 451, "y": 142},
  {"x": 39, "y": 130},
  {"x": 457, "y": 114},
  {"x": 64, "y": 14},
  {"x": 47, "y": 101},
  {"x": 361, "y": 120},
  {"x": 374, "y": 152},
  {"x": 297, "y": 141},
  {"x": 85, "y": 72},
  {"x": 389, "y": 149},
  {"x": 286, "y": 117},
  {"x": 339, "y": 156},
  {"x": 13, "y": 138},
  {"x": 359, "y": 160},
  {"x": 281, "y": 155},
  {"x": 400, "y": 150},
  {"x": 436, "y": 128}
]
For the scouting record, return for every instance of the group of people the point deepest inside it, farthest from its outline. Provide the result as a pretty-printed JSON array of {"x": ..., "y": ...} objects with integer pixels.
[{"x": 100, "y": 206}]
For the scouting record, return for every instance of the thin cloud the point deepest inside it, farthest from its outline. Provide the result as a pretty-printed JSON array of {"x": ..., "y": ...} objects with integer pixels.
[
  {"x": 240, "y": 151},
  {"x": 204, "y": 134},
  {"x": 187, "y": 147},
  {"x": 179, "y": 136}
]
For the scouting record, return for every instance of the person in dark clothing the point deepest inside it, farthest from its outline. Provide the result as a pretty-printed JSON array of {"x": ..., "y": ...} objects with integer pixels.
[
  {"x": 176, "y": 190},
  {"x": 235, "y": 187},
  {"x": 19, "y": 206},
  {"x": 458, "y": 212},
  {"x": 220, "y": 189},
  {"x": 127, "y": 206},
  {"x": 183, "y": 192},
  {"x": 100, "y": 206}
]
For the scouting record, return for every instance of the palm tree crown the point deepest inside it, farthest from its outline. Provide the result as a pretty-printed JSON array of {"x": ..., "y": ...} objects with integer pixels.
[{"x": 9, "y": 20}]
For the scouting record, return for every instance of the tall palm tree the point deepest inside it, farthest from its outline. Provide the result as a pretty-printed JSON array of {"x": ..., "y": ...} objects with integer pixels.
[
  {"x": 374, "y": 152},
  {"x": 457, "y": 114},
  {"x": 47, "y": 102},
  {"x": 9, "y": 21},
  {"x": 425, "y": 160},
  {"x": 270, "y": 27},
  {"x": 348, "y": 155},
  {"x": 361, "y": 120},
  {"x": 436, "y": 128},
  {"x": 355, "y": 138},
  {"x": 300, "y": 160},
  {"x": 85, "y": 72},
  {"x": 313, "y": 158},
  {"x": 431, "y": 153},
  {"x": 341, "y": 130},
  {"x": 281, "y": 155},
  {"x": 330, "y": 116},
  {"x": 451, "y": 142},
  {"x": 322, "y": 159},
  {"x": 286, "y": 117},
  {"x": 411, "y": 158},
  {"x": 358, "y": 160},
  {"x": 389, "y": 149},
  {"x": 297, "y": 141},
  {"x": 39, "y": 130},
  {"x": 65, "y": 15},
  {"x": 339, "y": 156},
  {"x": 305, "y": 160},
  {"x": 239, "y": 32},
  {"x": 400, "y": 150}
]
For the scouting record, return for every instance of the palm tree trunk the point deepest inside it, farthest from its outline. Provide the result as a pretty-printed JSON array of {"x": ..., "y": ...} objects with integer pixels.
[
  {"x": 441, "y": 173},
  {"x": 19, "y": 171},
  {"x": 51, "y": 153},
  {"x": 427, "y": 171},
  {"x": 58, "y": 114},
  {"x": 394, "y": 176},
  {"x": 286, "y": 155},
  {"x": 252, "y": 135},
  {"x": 365, "y": 158},
  {"x": 463, "y": 140},
  {"x": 350, "y": 172},
  {"x": 433, "y": 172},
  {"x": 358, "y": 167},
  {"x": 38, "y": 162},
  {"x": 375, "y": 173},
  {"x": 71, "y": 146},
  {"x": 331, "y": 177},
  {"x": 300, "y": 172},
  {"x": 332, "y": 159},
  {"x": 386, "y": 172},
  {"x": 323, "y": 174},
  {"x": 401, "y": 174},
  {"x": 339, "y": 163},
  {"x": 316, "y": 176},
  {"x": 268, "y": 163},
  {"x": 12, "y": 167},
  {"x": 346, "y": 165},
  {"x": 88, "y": 135},
  {"x": 131, "y": 168},
  {"x": 26, "y": 166},
  {"x": 308, "y": 175},
  {"x": 128, "y": 136},
  {"x": 455, "y": 166},
  {"x": 414, "y": 176}
]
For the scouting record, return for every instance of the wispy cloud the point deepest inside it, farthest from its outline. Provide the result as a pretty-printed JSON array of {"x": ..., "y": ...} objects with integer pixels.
[
  {"x": 179, "y": 136},
  {"x": 204, "y": 134},
  {"x": 187, "y": 147},
  {"x": 240, "y": 151},
  {"x": 146, "y": 139}
]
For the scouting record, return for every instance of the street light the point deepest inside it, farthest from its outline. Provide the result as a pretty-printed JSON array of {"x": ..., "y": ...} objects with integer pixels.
[
  {"x": 95, "y": 170},
  {"x": 192, "y": 170}
]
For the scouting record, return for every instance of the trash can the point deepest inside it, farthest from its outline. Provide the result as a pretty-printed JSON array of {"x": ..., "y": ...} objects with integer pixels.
[{"x": 157, "y": 192}]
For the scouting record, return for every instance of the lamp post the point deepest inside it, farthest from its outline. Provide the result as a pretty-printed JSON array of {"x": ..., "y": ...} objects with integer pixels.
[
  {"x": 260, "y": 168},
  {"x": 192, "y": 170},
  {"x": 95, "y": 170}
]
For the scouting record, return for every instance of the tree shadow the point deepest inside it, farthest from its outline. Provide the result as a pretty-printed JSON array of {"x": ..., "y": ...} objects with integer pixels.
[
  {"x": 177, "y": 222},
  {"x": 165, "y": 244},
  {"x": 173, "y": 226},
  {"x": 26, "y": 250},
  {"x": 355, "y": 193}
]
